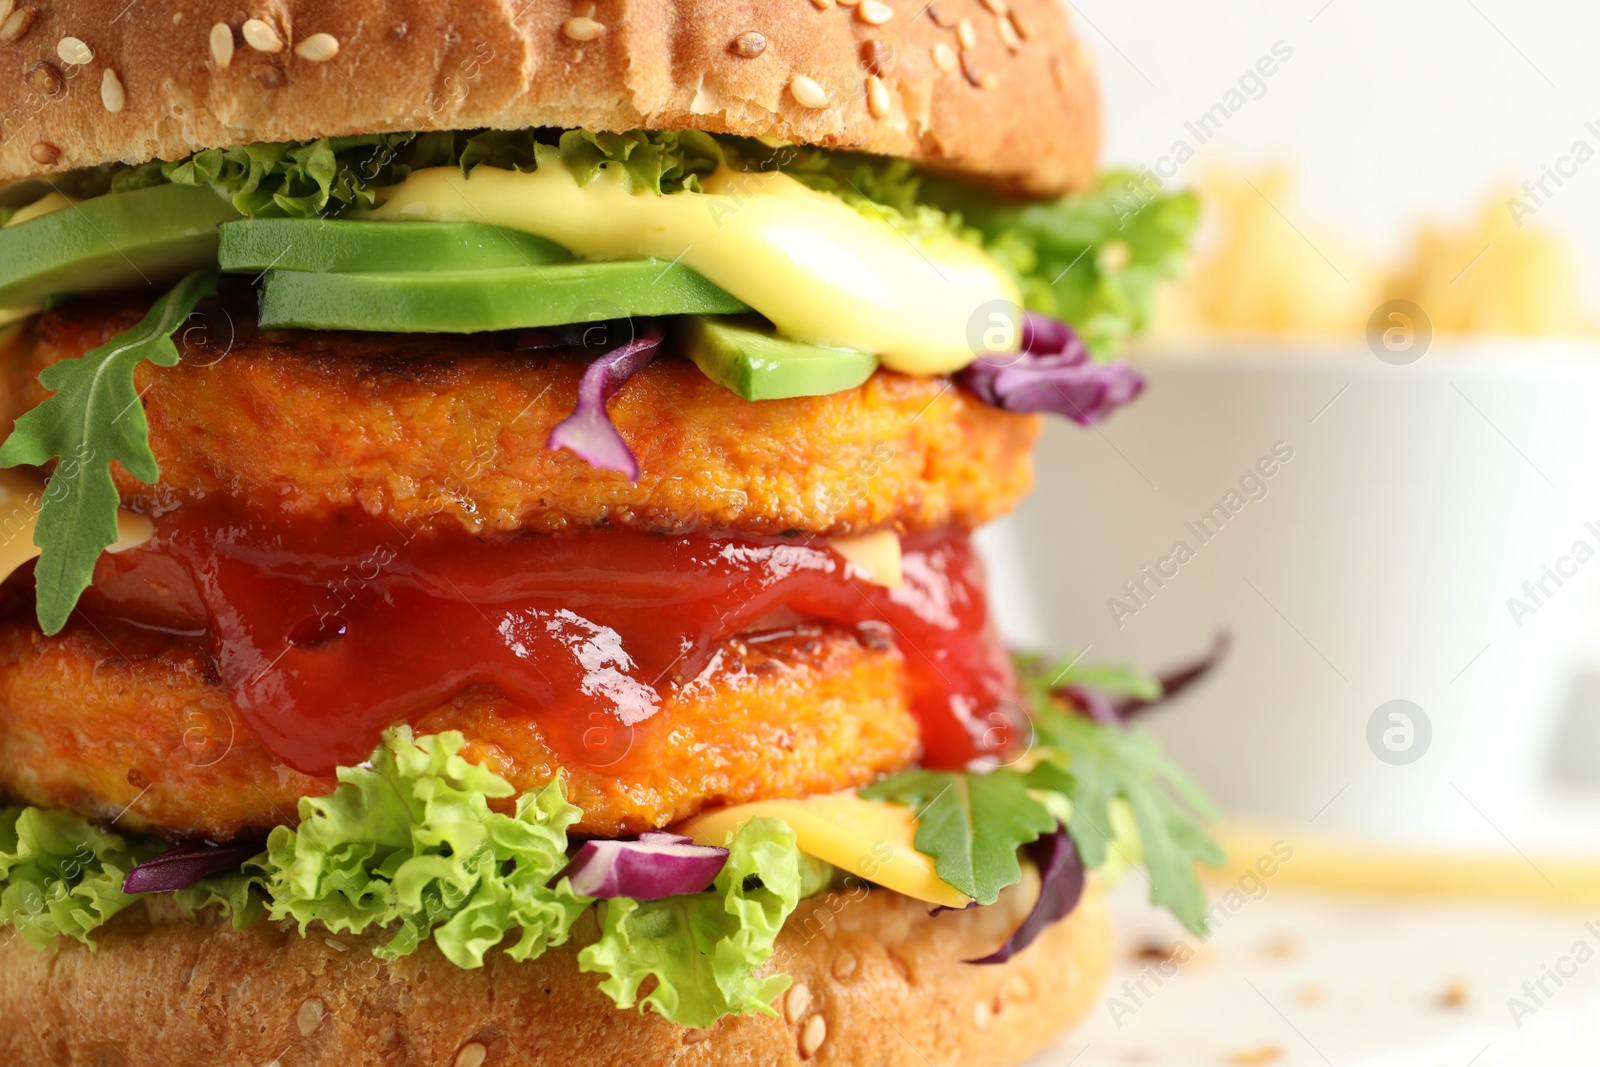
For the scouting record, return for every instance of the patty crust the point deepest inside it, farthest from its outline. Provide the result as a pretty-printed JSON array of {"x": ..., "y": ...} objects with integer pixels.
[
  {"x": 452, "y": 428},
  {"x": 134, "y": 728}
]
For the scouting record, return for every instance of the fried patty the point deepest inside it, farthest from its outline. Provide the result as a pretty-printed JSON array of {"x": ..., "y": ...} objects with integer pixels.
[
  {"x": 449, "y": 428},
  {"x": 134, "y": 728}
]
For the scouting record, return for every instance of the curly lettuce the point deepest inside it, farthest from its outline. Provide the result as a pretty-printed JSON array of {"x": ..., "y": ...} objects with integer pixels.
[
  {"x": 60, "y": 876},
  {"x": 703, "y": 950},
  {"x": 410, "y": 842}
]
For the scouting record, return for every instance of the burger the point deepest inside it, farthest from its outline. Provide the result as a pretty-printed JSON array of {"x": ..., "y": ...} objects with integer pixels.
[{"x": 487, "y": 493}]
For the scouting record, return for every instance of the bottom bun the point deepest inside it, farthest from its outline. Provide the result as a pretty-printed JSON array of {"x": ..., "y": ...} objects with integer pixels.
[{"x": 877, "y": 983}]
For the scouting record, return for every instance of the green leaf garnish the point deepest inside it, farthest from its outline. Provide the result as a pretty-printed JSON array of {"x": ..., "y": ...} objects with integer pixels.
[
  {"x": 411, "y": 841},
  {"x": 94, "y": 419},
  {"x": 971, "y": 824},
  {"x": 703, "y": 949}
]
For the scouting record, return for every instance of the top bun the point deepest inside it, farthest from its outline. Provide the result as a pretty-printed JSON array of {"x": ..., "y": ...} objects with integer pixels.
[{"x": 998, "y": 89}]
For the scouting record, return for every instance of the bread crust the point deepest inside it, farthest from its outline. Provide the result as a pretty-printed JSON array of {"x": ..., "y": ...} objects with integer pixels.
[
  {"x": 881, "y": 975},
  {"x": 1017, "y": 103}
]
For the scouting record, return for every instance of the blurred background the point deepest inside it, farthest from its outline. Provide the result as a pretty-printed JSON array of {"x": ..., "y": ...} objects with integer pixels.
[{"x": 1370, "y": 453}]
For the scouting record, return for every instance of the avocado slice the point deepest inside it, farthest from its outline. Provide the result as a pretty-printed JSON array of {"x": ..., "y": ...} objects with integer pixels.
[
  {"x": 744, "y": 354},
  {"x": 116, "y": 241},
  {"x": 502, "y": 298},
  {"x": 344, "y": 245}
]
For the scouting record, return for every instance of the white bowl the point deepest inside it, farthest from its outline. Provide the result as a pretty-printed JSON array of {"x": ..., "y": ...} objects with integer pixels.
[{"x": 1377, "y": 562}]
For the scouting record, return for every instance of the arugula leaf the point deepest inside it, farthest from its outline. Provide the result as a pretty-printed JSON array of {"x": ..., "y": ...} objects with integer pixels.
[
  {"x": 94, "y": 419},
  {"x": 703, "y": 949},
  {"x": 1102, "y": 765},
  {"x": 971, "y": 824}
]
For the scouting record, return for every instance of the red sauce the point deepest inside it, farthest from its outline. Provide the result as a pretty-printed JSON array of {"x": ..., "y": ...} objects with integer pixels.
[{"x": 328, "y": 633}]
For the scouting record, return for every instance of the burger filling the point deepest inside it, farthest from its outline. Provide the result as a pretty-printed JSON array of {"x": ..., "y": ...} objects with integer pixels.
[{"x": 489, "y": 527}]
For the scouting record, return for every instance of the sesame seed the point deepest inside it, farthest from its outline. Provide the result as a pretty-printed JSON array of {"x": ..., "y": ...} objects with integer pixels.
[
  {"x": 45, "y": 79},
  {"x": 112, "y": 95},
  {"x": 874, "y": 12},
  {"x": 1020, "y": 24},
  {"x": 6, "y": 7},
  {"x": 877, "y": 57},
  {"x": 261, "y": 36},
  {"x": 996, "y": 7},
  {"x": 1008, "y": 34},
  {"x": 797, "y": 1003},
  {"x": 813, "y": 1035},
  {"x": 318, "y": 48},
  {"x": 807, "y": 93},
  {"x": 844, "y": 966},
  {"x": 336, "y": 944},
  {"x": 878, "y": 101},
  {"x": 966, "y": 34},
  {"x": 582, "y": 29},
  {"x": 309, "y": 1017},
  {"x": 18, "y": 23},
  {"x": 221, "y": 45},
  {"x": 822, "y": 5},
  {"x": 944, "y": 57},
  {"x": 44, "y": 153},
  {"x": 981, "y": 1015},
  {"x": 748, "y": 45},
  {"x": 472, "y": 1054},
  {"x": 73, "y": 51},
  {"x": 1019, "y": 989}
]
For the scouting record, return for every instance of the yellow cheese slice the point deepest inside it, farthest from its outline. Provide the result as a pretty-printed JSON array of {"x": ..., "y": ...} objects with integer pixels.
[
  {"x": 20, "y": 498},
  {"x": 874, "y": 557},
  {"x": 819, "y": 269},
  {"x": 869, "y": 839},
  {"x": 43, "y": 206}
]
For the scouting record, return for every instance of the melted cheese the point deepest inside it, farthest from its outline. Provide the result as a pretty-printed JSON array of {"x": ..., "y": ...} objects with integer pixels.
[
  {"x": 866, "y": 838},
  {"x": 20, "y": 497},
  {"x": 819, "y": 269},
  {"x": 873, "y": 557}
]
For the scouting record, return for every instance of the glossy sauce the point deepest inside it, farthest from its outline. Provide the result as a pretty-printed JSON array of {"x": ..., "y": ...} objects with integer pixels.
[{"x": 328, "y": 633}]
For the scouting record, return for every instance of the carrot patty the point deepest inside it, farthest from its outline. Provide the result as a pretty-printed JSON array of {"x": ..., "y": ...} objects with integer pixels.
[
  {"x": 134, "y": 728},
  {"x": 447, "y": 428}
]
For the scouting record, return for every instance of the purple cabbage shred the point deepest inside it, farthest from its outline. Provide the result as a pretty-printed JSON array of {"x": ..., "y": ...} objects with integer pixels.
[{"x": 1052, "y": 373}]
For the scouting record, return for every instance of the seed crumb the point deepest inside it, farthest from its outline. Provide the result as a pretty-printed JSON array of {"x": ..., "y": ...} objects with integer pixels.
[
  {"x": 44, "y": 153},
  {"x": 222, "y": 45},
  {"x": 582, "y": 28},
  {"x": 112, "y": 95},
  {"x": 874, "y": 12},
  {"x": 44, "y": 79},
  {"x": 813, "y": 1035},
  {"x": 878, "y": 101},
  {"x": 18, "y": 23},
  {"x": 807, "y": 92},
  {"x": 74, "y": 52},
  {"x": 318, "y": 48},
  {"x": 748, "y": 45},
  {"x": 262, "y": 37}
]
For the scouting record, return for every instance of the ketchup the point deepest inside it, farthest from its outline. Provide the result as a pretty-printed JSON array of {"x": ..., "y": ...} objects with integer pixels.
[{"x": 327, "y": 633}]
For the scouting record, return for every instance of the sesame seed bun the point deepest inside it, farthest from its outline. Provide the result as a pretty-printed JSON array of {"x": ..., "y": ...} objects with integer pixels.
[
  {"x": 876, "y": 981},
  {"x": 999, "y": 89}
]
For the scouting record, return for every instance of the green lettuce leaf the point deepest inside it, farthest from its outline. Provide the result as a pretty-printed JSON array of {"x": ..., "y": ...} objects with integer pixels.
[
  {"x": 411, "y": 841},
  {"x": 239, "y": 895},
  {"x": 971, "y": 824},
  {"x": 664, "y": 161},
  {"x": 703, "y": 950},
  {"x": 94, "y": 419},
  {"x": 60, "y": 876}
]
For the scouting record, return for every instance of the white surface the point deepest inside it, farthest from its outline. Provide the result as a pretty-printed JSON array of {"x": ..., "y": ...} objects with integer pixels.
[
  {"x": 1305, "y": 980},
  {"x": 1376, "y": 566}
]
